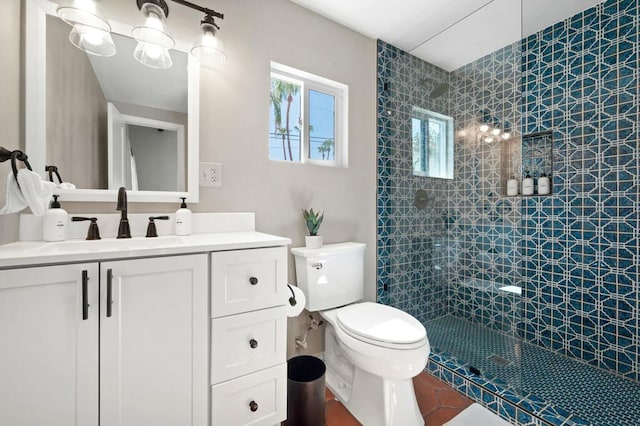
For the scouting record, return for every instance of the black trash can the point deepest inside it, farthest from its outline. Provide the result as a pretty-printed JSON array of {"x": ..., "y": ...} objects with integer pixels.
[{"x": 305, "y": 391}]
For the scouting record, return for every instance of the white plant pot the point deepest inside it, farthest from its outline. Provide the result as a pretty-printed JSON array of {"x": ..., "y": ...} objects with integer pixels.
[{"x": 313, "y": 242}]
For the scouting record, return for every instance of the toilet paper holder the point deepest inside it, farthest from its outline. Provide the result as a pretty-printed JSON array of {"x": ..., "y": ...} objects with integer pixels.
[{"x": 292, "y": 299}]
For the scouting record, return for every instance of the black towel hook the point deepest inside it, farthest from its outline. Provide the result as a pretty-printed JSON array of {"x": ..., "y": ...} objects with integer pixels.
[{"x": 14, "y": 156}]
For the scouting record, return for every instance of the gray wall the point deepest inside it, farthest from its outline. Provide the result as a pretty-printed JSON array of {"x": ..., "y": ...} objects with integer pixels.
[
  {"x": 11, "y": 105},
  {"x": 76, "y": 112},
  {"x": 234, "y": 124},
  {"x": 155, "y": 153}
]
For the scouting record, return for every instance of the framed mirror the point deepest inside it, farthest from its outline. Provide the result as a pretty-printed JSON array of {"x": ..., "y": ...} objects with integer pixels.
[{"x": 107, "y": 122}]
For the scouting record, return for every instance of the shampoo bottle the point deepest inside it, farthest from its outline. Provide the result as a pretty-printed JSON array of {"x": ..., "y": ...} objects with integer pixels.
[
  {"x": 527, "y": 184},
  {"x": 512, "y": 187},
  {"x": 55, "y": 222},
  {"x": 544, "y": 184},
  {"x": 183, "y": 219}
]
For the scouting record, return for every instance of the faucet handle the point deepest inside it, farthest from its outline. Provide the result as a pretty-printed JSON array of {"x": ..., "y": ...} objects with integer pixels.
[
  {"x": 151, "y": 228},
  {"x": 93, "y": 233}
]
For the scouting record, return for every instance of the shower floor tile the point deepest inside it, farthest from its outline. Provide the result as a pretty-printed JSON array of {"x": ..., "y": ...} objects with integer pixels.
[{"x": 592, "y": 394}]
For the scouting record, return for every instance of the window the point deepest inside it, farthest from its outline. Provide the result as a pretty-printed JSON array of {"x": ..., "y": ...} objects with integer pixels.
[
  {"x": 307, "y": 118},
  {"x": 432, "y": 144}
]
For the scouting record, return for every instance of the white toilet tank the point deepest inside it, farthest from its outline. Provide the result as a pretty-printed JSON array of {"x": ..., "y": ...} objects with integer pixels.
[{"x": 330, "y": 276}]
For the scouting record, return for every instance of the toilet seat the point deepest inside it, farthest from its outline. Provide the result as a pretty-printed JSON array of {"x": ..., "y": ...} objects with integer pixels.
[{"x": 381, "y": 325}]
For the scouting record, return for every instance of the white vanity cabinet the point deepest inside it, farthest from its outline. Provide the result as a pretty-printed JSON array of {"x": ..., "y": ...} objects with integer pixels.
[
  {"x": 154, "y": 342},
  {"x": 248, "y": 337},
  {"x": 168, "y": 331},
  {"x": 147, "y": 319},
  {"x": 49, "y": 346}
]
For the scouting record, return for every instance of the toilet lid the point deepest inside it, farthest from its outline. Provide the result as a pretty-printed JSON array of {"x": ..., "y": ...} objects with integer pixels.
[{"x": 380, "y": 323}]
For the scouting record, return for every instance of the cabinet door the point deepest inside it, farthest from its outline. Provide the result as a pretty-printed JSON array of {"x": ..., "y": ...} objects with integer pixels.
[
  {"x": 153, "y": 342},
  {"x": 49, "y": 346}
]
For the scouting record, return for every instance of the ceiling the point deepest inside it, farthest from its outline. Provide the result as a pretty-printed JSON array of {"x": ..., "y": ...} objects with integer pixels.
[{"x": 447, "y": 33}]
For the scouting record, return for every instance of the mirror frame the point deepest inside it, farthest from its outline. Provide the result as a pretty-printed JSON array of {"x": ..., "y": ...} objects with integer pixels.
[{"x": 35, "y": 112}]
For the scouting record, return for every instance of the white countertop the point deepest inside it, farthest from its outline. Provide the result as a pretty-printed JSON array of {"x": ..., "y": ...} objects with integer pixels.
[{"x": 32, "y": 253}]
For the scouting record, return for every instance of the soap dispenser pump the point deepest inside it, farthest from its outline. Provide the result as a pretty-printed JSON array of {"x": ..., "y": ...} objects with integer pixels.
[
  {"x": 55, "y": 222},
  {"x": 183, "y": 219}
]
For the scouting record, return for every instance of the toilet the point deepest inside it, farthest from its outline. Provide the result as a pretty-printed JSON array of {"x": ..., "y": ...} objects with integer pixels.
[{"x": 372, "y": 351}]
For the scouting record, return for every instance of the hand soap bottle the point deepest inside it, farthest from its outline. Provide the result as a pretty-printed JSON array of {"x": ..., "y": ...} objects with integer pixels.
[
  {"x": 544, "y": 185},
  {"x": 527, "y": 184},
  {"x": 512, "y": 187},
  {"x": 55, "y": 222},
  {"x": 183, "y": 219}
]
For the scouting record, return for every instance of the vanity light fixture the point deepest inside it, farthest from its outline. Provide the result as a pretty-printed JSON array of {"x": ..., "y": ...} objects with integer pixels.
[
  {"x": 91, "y": 30},
  {"x": 208, "y": 47},
  {"x": 152, "y": 36}
]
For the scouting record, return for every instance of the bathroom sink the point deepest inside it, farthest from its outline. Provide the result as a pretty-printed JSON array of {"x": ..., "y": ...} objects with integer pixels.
[{"x": 110, "y": 244}]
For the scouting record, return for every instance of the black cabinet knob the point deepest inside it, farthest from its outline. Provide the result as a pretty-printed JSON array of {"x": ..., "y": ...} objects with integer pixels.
[
  {"x": 253, "y": 406},
  {"x": 253, "y": 343},
  {"x": 253, "y": 280}
]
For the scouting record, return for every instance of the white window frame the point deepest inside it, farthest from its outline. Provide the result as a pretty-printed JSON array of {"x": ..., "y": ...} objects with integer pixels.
[
  {"x": 340, "y": 93},
  {"x": 426, "y": 115}
]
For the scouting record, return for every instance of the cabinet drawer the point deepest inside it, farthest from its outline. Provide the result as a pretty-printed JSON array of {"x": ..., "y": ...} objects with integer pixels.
[
  {"x": 242, "y": 344},
  {"x": 247, "y": 280},
  {"x": 256, "y": 399}
]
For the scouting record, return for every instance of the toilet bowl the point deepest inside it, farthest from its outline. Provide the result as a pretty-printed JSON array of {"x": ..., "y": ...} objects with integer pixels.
[{"x": 372, "y": 351}]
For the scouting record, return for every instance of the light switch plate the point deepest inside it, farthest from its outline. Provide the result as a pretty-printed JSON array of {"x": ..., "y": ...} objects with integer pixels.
[{"x": 210, "y": 174}]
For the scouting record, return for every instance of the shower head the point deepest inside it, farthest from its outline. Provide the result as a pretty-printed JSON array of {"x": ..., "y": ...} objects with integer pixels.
[{"x": 439, "y": 88}]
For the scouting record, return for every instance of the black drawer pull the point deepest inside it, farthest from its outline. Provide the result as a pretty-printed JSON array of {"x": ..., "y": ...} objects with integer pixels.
[
  {"x": 253, "y": 280},
  {"x": 85, "y": 296},
  {"x": 253, "y": 406},
  {"x": 109, "y": 292},
  {"x": 253, "y": 343}
]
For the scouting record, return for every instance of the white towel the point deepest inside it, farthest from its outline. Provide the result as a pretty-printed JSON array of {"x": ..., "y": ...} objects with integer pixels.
[
  {"x": 14, "y": 201},
  {"x": 31, "y": 192}
]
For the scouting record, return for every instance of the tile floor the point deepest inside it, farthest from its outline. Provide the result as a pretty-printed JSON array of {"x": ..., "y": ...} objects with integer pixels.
[{"x": 438, "y": 403}]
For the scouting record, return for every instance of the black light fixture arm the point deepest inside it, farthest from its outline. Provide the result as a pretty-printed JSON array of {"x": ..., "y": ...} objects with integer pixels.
[
  {"x": 163, "y": 5},
  {"x": 206, "y": 11}
]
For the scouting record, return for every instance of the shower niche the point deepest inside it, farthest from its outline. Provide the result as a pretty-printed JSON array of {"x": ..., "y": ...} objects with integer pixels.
[{"x": 527, "y": 157}]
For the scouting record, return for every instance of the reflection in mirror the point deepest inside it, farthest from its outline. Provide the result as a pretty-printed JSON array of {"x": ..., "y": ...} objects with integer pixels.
[
  {"x": 67, "y": 94},
  {"x": 111, "y": 121}
]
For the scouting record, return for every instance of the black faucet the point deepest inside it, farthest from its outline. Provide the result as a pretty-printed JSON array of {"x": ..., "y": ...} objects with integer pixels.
[{"x": 123, "y": 229}]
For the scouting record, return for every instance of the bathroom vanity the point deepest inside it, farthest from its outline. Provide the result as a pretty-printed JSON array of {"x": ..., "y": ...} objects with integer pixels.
[{"x": 159, "y": 331}]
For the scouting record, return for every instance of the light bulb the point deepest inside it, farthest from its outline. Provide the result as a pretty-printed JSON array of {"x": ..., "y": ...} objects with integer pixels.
[
  {"x": 495, "y": 131},
  {"x": 506, "y": 135},
  {"x": 153, "y": 21},
  {"x": 484, "y": 128},
  {"x": 488, "y": 139}
]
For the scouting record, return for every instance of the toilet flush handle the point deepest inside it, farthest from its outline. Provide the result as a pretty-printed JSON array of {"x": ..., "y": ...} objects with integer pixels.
[{"x": 317, "y": 266}]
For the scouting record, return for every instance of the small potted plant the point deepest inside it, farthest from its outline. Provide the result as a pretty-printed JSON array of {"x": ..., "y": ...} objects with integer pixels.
[{"x": 313, "y": 221}]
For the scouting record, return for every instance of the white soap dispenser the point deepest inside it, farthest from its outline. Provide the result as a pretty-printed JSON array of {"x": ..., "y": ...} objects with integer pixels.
[
  {"x": 544, "y": 185},
  {"x": 512, "y": 187},
  {"x": 55, "y": 222},
  {"x": 183, "y": 219},
  {"x": 527, "y": 184}
]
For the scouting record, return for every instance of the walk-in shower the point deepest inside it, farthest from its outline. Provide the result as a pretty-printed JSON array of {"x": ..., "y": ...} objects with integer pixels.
[{"x": 530, "y": 302}]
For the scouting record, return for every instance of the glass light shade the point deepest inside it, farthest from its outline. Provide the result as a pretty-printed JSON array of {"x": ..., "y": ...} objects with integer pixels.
[
  {"x": 208, "y": 47},
  {"x": 484, "y": 127},
  {"x": 152, "y": 55},
  {"x": 151, "y": 27},
  {"x": 506, "y": 135},
  {"x": 92, "y": 40},
  {"x": 488, "y": 139},
  {"x": 495, "y": 131},
  {"x": 84, "y": 12}
]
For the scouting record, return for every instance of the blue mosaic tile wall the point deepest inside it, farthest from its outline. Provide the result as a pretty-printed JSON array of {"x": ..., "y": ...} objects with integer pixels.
[
  {"x": 576, "y": 252},
  {"x": 411, "y": 243},
  {"x": 580, "y": 246}
]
